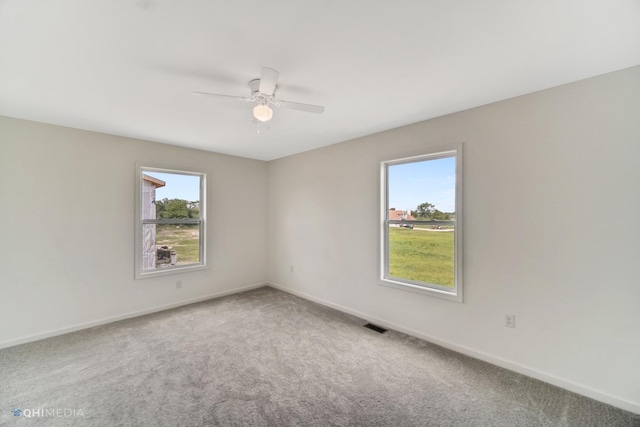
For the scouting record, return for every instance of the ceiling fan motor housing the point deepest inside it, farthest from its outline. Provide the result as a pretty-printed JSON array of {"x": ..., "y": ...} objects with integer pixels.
[{"x": 254, "y": 85}]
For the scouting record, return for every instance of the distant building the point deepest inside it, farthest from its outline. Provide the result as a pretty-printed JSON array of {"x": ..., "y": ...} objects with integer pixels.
[
  {"x": 149, "y": 185},
  {"x": 396, "y": 215}
]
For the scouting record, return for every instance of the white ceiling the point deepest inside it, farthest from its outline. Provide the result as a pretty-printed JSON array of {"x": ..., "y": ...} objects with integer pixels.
[{"x": 128, "y": 67}]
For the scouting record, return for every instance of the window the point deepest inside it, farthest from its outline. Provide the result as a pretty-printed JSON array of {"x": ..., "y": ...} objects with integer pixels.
[
  {"x": 421, "y": 237},
  {"x": 170, "y": 219}
]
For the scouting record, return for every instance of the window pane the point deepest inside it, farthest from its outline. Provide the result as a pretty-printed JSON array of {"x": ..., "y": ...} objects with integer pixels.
[
  {"x": 421, "y": 195},
  {"x": 421, "y": 256},
  {"x": 177, "y": 244},
  {"x": 177, "y": 196},
  {"x": 172, "y": 196},
  {"x": 166, "y": 245}
]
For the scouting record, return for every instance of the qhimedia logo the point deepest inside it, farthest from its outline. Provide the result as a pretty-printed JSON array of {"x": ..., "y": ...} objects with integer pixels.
[{"x": 48, "y": 413}]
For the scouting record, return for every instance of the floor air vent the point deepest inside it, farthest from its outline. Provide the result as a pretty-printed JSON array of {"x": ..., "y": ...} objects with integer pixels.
[{"x": 376, "y": 328}]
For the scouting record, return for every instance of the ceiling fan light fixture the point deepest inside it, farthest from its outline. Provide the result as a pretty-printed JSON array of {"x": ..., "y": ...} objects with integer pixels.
[
  {"x": 263, "y": 92},
  {"x": 262, "y": 112}
]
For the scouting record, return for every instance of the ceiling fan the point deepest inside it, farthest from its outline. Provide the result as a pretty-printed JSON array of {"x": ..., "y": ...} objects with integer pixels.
[{"x": 263, "y": 92}]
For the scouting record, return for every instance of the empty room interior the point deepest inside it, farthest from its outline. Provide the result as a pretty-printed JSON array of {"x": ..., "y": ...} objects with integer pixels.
[{"x": 408, "y": 213}]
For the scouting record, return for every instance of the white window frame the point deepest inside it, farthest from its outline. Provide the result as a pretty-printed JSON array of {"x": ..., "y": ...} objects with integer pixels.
[
  {"x": 139, "y": 223},
  {"x": 455, "y": 294}
]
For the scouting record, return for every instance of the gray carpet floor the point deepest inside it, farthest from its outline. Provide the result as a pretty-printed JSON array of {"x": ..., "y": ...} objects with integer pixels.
[{"x": 267, "y": 358}]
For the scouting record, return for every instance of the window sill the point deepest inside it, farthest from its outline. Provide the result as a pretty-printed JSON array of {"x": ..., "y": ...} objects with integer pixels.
[
  {"x": 432, "y": 292},
  {"x": 169, "y": 271}
]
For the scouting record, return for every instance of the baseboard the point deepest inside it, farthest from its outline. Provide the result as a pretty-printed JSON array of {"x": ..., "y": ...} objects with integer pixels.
[
  {"x": 80, "y": 326},
  {"x": 494, "y": 360}
]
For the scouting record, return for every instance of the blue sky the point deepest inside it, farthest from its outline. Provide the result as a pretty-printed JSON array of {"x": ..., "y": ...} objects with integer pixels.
[
  {"x": 410, "y": 184},
  {"x": 186, "y": 187},
  {"x": 432, "y": 181}
]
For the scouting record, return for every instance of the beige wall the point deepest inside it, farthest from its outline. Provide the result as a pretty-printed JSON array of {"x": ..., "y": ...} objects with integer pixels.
[
  {"x": 552, "y": 233},
  {"x": 67, "y": 219}
]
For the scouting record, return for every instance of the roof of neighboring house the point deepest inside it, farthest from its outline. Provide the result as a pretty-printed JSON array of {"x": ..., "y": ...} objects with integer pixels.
[
  {"x": 155, "y": 181},
  {"x": 397, "y": 215}
]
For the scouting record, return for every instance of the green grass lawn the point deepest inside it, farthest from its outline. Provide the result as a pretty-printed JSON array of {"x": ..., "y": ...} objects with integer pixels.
[
  {"x": 423, "y": 256},
  {"x": 183, "y": 239}
]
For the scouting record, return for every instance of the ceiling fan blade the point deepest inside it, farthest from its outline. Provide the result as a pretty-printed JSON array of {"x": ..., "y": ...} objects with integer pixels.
[
  {"x": 268, "y": 80},
  {"x": 217, "y": 95},
  {"x": 301, "y": 107}
]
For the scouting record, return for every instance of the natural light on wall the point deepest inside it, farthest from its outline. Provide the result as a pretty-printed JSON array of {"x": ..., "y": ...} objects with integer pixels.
[{"x": 421, "y": 217}]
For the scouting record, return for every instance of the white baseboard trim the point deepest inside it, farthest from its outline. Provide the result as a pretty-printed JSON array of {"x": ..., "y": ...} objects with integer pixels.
[
  {"x": 494, "y": 360},
  {"x": 80, "y": 326}
]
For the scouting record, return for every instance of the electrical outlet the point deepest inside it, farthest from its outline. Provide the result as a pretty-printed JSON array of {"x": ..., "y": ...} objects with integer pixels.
[
  {"x": 178, "y": 284},
  {"x": 291, "y": 269},
  {"x": 510, "y": 320}
]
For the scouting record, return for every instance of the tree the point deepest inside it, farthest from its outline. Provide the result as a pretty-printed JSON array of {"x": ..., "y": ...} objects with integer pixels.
[
  {"x": 425, "y": 210},
  {"x": 440, "y": 216},
  {"x": 194, "y": 209},
  {"x": 175, "y": 208},
  {"x": 160, "y": 207}
]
